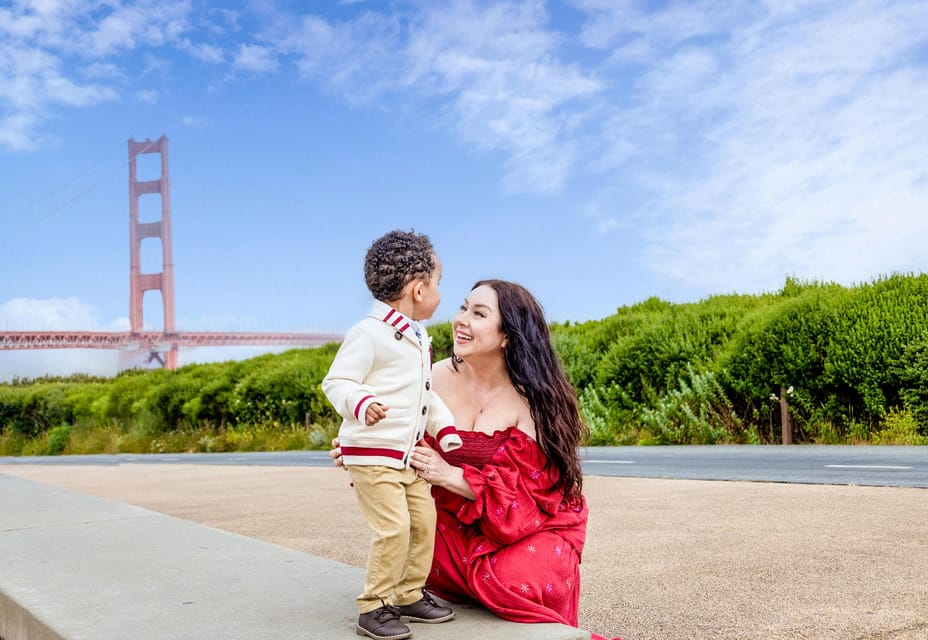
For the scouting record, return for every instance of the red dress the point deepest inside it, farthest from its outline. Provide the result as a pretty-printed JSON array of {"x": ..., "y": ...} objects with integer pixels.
[{"x": 516, "y": 547}]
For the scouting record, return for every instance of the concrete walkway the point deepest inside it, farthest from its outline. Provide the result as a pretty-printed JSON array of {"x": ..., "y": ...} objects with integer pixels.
[
  {"x": 664, "y": 559},
  {"x": 73, "y": 566}
]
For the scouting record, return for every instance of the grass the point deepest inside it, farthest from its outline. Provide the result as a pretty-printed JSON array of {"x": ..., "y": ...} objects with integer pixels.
[
  {"x": 900, "y": 428},
  {"x": 112, "y": 439}
]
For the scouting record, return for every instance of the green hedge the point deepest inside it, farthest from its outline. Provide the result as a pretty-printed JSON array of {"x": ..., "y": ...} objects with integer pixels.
[{"x": 855, "y": 360}]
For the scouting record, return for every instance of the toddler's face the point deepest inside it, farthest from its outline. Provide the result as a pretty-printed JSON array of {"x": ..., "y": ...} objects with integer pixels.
[{"x": 431, "y": 296}]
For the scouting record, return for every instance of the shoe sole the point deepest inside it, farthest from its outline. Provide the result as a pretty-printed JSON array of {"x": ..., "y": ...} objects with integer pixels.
[
  {"x": 364, "y": 632},
  {"x": 427, "y": 620}
]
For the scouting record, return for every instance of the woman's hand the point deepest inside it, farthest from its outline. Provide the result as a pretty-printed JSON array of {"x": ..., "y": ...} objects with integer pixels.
[
  {"x": 431, "y": 466},
  {"x": 336, "y": 454}
]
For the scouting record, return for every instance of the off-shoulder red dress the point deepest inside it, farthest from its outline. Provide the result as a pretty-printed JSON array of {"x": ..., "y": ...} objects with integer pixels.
[{"x": 516, "y": 547}]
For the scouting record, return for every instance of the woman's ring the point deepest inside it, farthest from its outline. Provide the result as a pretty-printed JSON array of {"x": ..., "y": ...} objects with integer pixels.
[{"x": 425, "y": 470}]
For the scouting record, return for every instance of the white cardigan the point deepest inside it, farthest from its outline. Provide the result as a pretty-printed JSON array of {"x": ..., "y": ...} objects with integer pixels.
[{"x": 382, "y": 360}]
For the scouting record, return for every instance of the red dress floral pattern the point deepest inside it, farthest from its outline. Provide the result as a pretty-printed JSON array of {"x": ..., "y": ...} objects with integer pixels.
[{"x": 516, "y": 547}]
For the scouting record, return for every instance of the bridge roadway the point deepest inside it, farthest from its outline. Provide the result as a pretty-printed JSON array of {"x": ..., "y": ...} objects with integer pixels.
[
  {"x": 884, "y": 466},
  {"x": 153, "y": 340}
]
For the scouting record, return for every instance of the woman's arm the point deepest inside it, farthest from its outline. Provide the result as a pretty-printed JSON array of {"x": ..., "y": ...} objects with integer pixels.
[{"x": 515, "y": 495}]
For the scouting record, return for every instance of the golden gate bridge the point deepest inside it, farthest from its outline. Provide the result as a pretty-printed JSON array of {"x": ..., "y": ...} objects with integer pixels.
[{"x": 161, "y": 346}]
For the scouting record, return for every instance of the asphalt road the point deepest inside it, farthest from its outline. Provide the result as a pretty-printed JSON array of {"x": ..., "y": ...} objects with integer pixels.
[
  {"x": 805, "y": 464},
  {"x": 884, "y": 466}
]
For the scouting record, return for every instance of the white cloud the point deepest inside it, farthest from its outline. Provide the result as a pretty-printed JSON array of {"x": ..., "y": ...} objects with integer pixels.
[
  {"x": 495, "y": 68},
  {"x": 626, "y": 25},
  {"x": 360, "y": 59},
  {"x": 104, "y": 71},
  {"x": 500, "y": 68},
  {"x": 605, "y": 225},
  {"x": 23, "y": 24},
  {"x": 17, "y": 132},
  {"x": 204, "y": 52},
  {"x": 776, "y": 143},
  {"x": 600, "y": 216},
  {"x": 255, "y": 58},
  {"x": 70, "y": 314},
  {"x": 95, "y": 29},
  {"x": 56, "y": 314},
  {"x": 777, "y": 137},
  {"x": 50, "y": 314},
  {"x": 229, "y": 20},
  {"x": 31, "y": 78},
  {"x": 63, "y": 362},
  {"x": 32, "y": 82},
  {"x": 45, "y": 47},
  {"x": 196, "y": 122},
  {"x": 147, "y": 96},
  {"x": 130, "y": 25}
]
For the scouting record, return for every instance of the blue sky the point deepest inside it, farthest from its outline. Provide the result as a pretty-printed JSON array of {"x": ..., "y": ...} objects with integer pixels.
[{"x": 598, "y": 151}]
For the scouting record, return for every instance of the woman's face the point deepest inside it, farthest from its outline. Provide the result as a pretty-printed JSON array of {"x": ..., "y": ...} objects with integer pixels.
[{"x": 477, "y": 327}]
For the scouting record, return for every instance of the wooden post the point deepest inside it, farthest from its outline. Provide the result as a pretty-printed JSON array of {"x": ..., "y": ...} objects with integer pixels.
[{"x": 785, "y": 425}]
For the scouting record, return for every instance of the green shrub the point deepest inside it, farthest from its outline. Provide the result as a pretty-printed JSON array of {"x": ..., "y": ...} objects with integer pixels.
[
  {"x": 654, "y": 372},
  {"x": 53, "y": 442},
  {"x": 875, "y": 330},
  {"x": 609, "y": 425},
  {"x": 786, "y": 344},
  {"x": 901, "y": 428},
  {"x": 697, "y": 411},
  {"x": 442, "y": 341},
  {"x": 12, "y": 443},
  {"x": 657, "y": 355}
]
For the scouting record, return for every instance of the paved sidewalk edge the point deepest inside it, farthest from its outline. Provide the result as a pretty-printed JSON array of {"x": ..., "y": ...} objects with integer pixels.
[{"x": 74, "y": 566}]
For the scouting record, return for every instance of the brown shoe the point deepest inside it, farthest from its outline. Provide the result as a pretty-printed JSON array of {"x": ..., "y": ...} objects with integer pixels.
[
  {"x": 382, "y": 624},
  {"x": 425, "y": 610}
]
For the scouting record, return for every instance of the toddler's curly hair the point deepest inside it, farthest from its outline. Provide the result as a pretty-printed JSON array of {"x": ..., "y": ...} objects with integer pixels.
[{"x": 395, "y": 259}]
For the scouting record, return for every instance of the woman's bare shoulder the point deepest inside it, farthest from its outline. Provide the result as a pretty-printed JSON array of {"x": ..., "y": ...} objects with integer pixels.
[{"x": 525, "y": 423}]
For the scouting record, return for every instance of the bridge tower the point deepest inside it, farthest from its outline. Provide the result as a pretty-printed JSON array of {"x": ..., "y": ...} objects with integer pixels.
[{"x": 162, "y": 281}]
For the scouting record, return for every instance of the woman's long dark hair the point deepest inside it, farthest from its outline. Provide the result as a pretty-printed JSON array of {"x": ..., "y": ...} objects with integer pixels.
[{"x": 538, "y": 377}]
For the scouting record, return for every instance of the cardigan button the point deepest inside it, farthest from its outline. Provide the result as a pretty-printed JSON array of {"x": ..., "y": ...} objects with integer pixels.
[
  {"x": 398, "y": 335},
  {"x": 424, "y": 410},
  {"x": 427, "y": 385}
]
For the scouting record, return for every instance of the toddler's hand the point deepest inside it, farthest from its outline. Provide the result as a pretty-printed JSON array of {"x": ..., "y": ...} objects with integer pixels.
[{"x": 375, "y": 413}]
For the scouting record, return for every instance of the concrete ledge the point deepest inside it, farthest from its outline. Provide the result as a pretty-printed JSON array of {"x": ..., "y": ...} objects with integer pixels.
[{"x": 77, "y": 567}]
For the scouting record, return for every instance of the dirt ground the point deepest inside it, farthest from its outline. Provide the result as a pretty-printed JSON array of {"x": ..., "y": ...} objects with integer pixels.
[{"x": 665, "y": 559}]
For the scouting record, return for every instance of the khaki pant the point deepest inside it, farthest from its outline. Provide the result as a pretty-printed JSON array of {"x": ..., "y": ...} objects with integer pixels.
[{"x": 400, "y": 511}]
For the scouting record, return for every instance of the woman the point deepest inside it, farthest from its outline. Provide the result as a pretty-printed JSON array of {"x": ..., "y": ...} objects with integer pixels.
[{"x": 511, "y": 515}]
